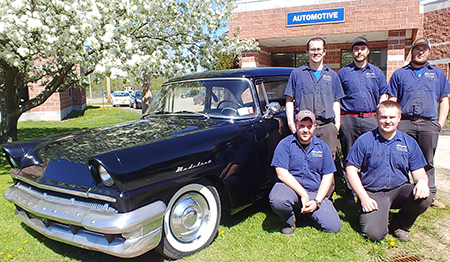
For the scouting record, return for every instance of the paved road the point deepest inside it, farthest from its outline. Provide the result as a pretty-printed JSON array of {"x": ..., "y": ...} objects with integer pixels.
[
  {"x": 442, "y": 157},
  {"x": 99, "y": 101}
]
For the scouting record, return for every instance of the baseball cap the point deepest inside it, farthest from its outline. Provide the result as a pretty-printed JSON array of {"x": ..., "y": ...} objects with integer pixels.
[
  {"x": 360, "y": 40},
  {"x": 305, "y": 114},
  {"x": 421, "y": 41}
]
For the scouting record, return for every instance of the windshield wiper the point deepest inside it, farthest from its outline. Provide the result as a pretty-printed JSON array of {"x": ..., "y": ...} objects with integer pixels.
[{"x": 192, "y": 112}]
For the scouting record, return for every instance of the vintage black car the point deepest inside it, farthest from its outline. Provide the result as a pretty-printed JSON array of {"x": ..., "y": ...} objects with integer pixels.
[{"x": 163, "y": 181}]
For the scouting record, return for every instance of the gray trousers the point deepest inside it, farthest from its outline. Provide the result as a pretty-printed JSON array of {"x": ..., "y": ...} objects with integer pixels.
[
  {"x": 374, "y": 225},
  {"x": 426, "y": 133},
  {"x": 284, "y": 200},
  {"x": 351, "y": 128},
  {"x": 328, "y": 134}
]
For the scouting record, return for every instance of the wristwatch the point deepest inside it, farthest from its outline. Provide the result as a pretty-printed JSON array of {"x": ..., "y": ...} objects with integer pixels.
[{"x": 317, "y": 202}]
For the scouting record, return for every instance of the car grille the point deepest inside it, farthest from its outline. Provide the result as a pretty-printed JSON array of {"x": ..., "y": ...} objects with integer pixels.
[{"x": 63, "y": 200}]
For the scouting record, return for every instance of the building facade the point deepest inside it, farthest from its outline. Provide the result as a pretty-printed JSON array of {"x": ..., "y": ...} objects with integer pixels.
[
  {"x": 58, "y": 105},
  {"x": 283, "y": 27}
]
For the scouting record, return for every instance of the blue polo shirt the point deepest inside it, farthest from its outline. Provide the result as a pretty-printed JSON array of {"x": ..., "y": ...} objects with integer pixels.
[
  {"x": 419, "y": 96},
  {"x": 362, "y": 87},
  {"x": 314, "y": 94},
  {"x": 307, "y": 167},
  {"x": 385, "y": 163}
]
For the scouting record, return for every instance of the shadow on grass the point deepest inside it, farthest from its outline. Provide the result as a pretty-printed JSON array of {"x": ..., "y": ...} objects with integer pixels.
[
  {"x": 75, "y": 114},
  {"x": 79, "y": 254},
  {"x": 34, "y": 132}
]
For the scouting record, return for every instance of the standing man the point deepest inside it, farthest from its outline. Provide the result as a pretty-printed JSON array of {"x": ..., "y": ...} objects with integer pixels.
[
  {"x": 304, "y": 167},
  {"x": 316, "y": 87},
  {"x": 383, "y": 158},
  {"x": 420, "y": 88},
  {"x": 364, "y": 86}
]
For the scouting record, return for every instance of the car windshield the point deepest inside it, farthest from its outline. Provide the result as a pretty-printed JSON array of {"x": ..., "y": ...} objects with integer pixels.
[
  {"x": 120, "y": 94},
  {"x": 214, "y": 97}
]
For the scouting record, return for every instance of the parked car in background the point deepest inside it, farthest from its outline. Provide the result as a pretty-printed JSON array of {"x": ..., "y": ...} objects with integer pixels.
[
  {"x": 136, "y": 99},
  {"x": 163, "y": 181},
  {"x": 199, "y": 99},
  {"x": 189, "y": 93},
  {"x": 120, "y": 98}
]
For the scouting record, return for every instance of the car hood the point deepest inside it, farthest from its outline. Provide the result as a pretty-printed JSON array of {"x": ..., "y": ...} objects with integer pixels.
[{"x": 61, "y": 160}]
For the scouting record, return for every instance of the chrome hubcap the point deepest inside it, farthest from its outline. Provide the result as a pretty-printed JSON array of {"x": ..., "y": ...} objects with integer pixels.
[{"x": 189, "y": 214}]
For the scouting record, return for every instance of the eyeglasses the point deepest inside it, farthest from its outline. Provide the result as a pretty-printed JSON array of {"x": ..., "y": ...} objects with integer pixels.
[
  {"x": 421, "y": 50},
  {"x": 312, "y": 50}
]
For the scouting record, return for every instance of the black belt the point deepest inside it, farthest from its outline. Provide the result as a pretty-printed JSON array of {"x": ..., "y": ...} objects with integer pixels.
[
  {"x": 322, "y": 121},
  {"x": 414, "y": 118}
]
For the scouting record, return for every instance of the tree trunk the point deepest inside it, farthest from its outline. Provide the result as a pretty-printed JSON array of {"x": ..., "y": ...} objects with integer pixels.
[
  {"x": 8, "y": 130},
  {"x": 146, "y": 91}
]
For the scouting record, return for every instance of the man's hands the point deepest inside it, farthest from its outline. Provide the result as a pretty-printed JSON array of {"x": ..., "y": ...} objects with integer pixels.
[
  {"x": 369, "y": 204},
  {"x": 421, "y": 190},
  {"x": 308, "y": 206}
]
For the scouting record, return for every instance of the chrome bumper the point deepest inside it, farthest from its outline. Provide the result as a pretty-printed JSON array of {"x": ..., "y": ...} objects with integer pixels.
[{"x": 123, "y": 235}]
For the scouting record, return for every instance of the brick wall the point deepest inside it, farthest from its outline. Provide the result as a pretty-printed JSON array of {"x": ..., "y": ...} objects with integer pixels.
[
  {"x": 363, "y": 15},
  {"x": 436, "y": 26}
]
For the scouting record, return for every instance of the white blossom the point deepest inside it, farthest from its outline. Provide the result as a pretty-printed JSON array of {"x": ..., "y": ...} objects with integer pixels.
[{"x": 115, "y": 37}]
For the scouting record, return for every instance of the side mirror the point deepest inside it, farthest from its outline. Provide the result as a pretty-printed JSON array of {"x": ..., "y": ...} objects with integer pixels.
[{"x": 271, "y": 109}]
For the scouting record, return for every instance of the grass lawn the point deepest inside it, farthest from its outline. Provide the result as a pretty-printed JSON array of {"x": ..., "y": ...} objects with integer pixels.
[{"x": 251, "y": 235}]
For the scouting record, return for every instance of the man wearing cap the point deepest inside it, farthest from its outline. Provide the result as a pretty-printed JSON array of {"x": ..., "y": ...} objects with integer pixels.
[
  {"x": 304, "y": 167},
  {"x": 378, "y": 170},
  {"x": 422, "y": 92},
  {"x": 364, "y": 86},
  {"x": 316, "y": 87}
]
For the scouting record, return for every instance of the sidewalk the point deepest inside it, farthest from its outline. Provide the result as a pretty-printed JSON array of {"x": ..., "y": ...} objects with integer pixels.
[{"x": 442, "y": 157}]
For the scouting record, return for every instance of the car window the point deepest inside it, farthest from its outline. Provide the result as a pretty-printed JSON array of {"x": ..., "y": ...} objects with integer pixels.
[
  {"x": 274, "y": 89},
  {"x": 120, "y": 94},
  {"x": 216, "y": 97}
]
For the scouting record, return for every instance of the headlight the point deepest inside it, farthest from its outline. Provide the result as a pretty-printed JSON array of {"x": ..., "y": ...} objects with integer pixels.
[
  {"x": 105, "y": 176},
  {"x": 11, "y": 160}
]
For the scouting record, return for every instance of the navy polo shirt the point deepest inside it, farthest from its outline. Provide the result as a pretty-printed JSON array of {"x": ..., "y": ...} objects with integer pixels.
[
  {"x": 362, "y": 87},
  {"x": 419, "y": 96},
  {"x": 312, "y": 94},
  {"x": 307, "y": 167},
  {"x": 385, "y": 163}
]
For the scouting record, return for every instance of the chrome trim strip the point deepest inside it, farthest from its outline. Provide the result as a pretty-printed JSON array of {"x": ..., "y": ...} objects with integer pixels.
[
  {"x": 63, "y": 190},
  {"x": 62, "y": 200}
]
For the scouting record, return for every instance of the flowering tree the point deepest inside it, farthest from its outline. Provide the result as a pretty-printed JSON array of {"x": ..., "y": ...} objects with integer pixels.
[{"x": 43, "y": 41}]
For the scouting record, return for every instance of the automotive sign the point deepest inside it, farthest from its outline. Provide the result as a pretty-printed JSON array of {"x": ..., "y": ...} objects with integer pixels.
[{"x": 312, "y": 17}]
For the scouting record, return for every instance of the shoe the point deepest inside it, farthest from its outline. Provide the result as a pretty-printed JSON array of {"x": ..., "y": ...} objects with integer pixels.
[
  {"x": 437, "y": 204},
  {"x": 288, "y": 230},
  {"x": 402, "y": 234}
]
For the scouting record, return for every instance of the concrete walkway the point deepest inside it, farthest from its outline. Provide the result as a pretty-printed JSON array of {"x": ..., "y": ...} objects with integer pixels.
[{"x": 442, "y": 157}]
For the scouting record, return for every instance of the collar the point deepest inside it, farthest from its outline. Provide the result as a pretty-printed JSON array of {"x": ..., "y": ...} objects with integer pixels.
[
  {"x": 379, "y": 137},
  {"x": 410, "y": 66},
  {"x": 314, "y": 140},
  {"x": 306, "y": 67},
  {"x": 355, "y": 68}
]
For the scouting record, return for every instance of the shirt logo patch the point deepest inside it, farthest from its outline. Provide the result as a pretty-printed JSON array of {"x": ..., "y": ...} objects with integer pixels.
[
  {"x": 401, "y": 148},
  {"x": 317, "y": 153},
  {"x": 327, "y": 78},
  {"x": 429, "y": 75},
  {"x": 371, "y": 75}
]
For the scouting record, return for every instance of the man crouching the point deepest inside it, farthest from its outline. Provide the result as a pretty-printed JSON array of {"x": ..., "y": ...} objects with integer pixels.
[
  {"x": 305, "y": 167},
  {"x": 378, "y": 167}
]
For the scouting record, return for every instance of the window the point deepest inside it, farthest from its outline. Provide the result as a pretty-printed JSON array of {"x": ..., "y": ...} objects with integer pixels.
[
  {"x": 289, "y": 59},
  {"x": 377, "y": 57}
]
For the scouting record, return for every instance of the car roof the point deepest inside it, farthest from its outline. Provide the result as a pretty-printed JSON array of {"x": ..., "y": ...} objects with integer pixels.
[{"x": 247, "y": 73}]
